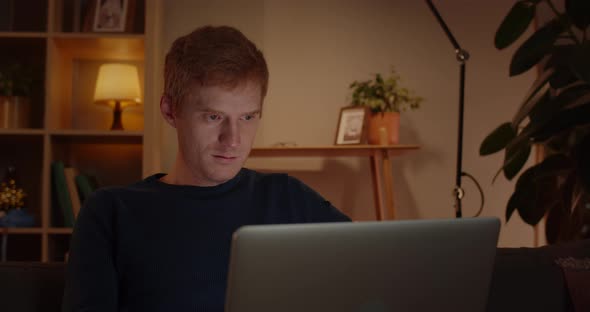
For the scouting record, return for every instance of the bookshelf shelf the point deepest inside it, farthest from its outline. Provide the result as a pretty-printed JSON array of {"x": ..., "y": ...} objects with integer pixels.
[
  {"x": 66, "y": 126},
  {"x": 4, "y": 34},
  {"x": 59, "y": 231},
  {"x": 86, "y": 35},
  {"x": 16, "y": 230},
  {"x": 101, "y": 133},
  {"x": 6, "y": 131}
]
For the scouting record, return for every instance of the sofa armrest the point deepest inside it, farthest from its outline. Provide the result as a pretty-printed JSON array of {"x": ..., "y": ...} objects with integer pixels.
[
  {"x": 28, "y": 287},
  {"x": 529, "y": 279}
]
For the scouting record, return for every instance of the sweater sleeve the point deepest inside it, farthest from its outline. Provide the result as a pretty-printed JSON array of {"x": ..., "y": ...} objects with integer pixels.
[
  {"x": 91, "y": 279},
  {"x": 314, "y": 207}
]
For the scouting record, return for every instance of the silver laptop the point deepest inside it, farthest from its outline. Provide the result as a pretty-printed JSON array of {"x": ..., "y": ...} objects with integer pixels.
[{"x": 421, "y": 266}]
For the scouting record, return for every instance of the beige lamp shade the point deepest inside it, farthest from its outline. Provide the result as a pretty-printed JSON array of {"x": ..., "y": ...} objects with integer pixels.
[{"x": 117, "y": 83}]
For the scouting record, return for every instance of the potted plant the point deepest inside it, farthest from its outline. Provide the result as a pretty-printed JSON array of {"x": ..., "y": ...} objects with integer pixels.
[
  {"x": 386, "y": 99},
  {"x": 555, "y": 115},
  {"x": 15, "y": 88}
]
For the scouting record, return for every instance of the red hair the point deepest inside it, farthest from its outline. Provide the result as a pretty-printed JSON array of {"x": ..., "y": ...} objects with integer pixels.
[{"x": 212, "y": 56}]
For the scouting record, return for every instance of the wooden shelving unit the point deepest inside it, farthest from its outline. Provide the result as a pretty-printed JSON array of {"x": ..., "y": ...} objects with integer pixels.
[
  {"x": 66, "y": 126},
  {"x": 21, "y": 230}
]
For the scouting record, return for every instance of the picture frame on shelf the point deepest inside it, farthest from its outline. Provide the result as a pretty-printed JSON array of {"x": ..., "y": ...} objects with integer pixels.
[
  {"x": 115, "y": 16},
  {"x": 352, "y": 125}
]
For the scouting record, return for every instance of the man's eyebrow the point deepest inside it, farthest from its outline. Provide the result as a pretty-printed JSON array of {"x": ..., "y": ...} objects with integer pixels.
[
  {"x": 207, "y": 110},
  {"x": 254, "y": 112},
  {"x": 210, "y": 110}
]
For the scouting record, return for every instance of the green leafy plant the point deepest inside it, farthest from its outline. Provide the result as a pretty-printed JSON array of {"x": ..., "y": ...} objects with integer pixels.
[
  {"x": 15, "y": 80},
  {"x": 555, "y": 114},
  {"x": 384, "y": 94}
]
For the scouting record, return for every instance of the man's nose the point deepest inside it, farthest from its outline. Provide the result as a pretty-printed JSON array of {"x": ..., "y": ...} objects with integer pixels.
[{"x": 230, "y": 134}]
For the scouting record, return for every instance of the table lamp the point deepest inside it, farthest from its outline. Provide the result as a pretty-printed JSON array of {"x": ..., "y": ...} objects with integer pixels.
[{"x": 117, "y": 86}]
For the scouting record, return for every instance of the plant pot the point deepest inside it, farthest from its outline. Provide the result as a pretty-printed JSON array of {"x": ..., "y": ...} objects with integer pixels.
[
  {"x": 383, "y": 128},
  {"x": 15, "y": 112}
]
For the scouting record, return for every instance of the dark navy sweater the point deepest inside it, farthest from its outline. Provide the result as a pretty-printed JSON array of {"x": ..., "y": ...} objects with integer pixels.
[{"x": 153, "y": 246}]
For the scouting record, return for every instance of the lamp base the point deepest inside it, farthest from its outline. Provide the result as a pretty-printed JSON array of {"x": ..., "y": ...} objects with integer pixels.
[{"x": 117, "y": 111}]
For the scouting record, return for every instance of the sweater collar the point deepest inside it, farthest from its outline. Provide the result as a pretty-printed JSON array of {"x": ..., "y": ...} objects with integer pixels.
[{"x": 192, "y": 189}]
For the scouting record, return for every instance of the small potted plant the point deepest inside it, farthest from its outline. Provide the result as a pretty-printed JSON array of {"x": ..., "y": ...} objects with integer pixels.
[
  {"x": 15, "y": 88},
  {"x": 386, "y": 99},
  {"x": 12, "y": 202}
]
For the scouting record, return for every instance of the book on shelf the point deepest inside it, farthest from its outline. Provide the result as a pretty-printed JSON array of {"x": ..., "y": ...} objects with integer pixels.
[
  {"x": 70, "y": 188},
  {"x": 71, "y": 174},
  {"x": 86, "y": 185},
  {"x": 61, "y": 196}
]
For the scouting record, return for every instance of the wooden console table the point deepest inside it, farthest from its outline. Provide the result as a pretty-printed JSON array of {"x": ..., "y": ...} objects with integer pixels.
[{"x": 380, "y": 157}]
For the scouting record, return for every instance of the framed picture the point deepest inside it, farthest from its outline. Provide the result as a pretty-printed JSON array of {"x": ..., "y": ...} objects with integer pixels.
[
  {"x": 352, "y": 125},
  {"x": 110, "y": 16}
]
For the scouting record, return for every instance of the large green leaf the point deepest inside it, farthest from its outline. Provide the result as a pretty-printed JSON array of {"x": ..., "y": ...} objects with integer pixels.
[
  {"x": 573, "y": 96},
  {"x": 529, "y": 197},
  {"x": 564, "y": 120},
  {"x": 535, "y": 47},
  {"x": 544, "y": 109},
  {"x": 541, "y": 129},
  {"x": 531, "y": 211},
  {"x": 580, "y": 62},
  {"x": 557, "y": 143},
  {"x": 547, "y": 108},
  {"x": 562, "y": 78},
  {"x": 515, "y": 151},
  {"x": 537, "y": 188},
  {"x": 554, "y": 165},
  {"x": 531, "y": 98},
  {"x": 497, "y": 140},
  {"x": 515, "y": 159},
  {"x": 579, "y": 12},
  {"x": 583, "y": 162},
  {"x": 522, "y": 136},
  {"x": 526, "y": 198},
  {"x": 560, "y": 59},
  {"x": 554, "y": 223},
  {"x": 560, "y": 55},
  {"x": 514, "y": 24},
  {"x": 512, "y": 205}
]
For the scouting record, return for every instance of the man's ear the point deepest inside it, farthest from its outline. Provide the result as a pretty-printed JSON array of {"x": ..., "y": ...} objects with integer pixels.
[{"x": 168, "y": 110}]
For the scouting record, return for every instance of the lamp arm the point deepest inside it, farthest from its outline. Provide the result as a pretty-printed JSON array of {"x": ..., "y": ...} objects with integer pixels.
[
  {"x": 462, "y": 57},
  {"x": 443, "y": 25}
]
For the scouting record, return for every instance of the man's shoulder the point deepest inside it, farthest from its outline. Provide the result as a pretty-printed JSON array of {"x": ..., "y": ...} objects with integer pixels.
[{"x": 123, "y": 190}]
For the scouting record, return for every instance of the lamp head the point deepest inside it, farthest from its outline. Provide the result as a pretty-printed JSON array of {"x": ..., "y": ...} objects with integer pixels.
[{"x": 117, "y": 86}]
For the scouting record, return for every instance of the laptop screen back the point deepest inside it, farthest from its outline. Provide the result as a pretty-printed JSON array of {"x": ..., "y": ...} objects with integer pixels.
[{"x": 422, "y": 266}]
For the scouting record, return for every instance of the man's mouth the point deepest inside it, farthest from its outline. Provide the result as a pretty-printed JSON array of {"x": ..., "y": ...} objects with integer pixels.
[{"x": 225, "y": 157}]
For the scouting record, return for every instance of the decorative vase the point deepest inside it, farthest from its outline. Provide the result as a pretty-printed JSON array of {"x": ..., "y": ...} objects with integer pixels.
[
  {"x": 17, "y": 218},
  {"x": 15, "y": 112},
  {"x": 384, "y": 128}
]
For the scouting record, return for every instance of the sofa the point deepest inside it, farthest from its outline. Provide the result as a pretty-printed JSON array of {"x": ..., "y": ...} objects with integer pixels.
[
  {"x": 524, "y": 279},
  {"x": 28, "y": 287},
  {"x": 530, "y": 279}
]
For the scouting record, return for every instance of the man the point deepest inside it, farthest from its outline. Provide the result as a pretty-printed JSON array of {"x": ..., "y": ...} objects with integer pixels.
[{"x": 162, "y": 244}]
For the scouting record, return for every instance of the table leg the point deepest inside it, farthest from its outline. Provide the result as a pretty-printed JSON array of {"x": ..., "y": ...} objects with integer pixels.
[
  {"x": 377, "y": 189},
  {"x": 388, "y": 184}
]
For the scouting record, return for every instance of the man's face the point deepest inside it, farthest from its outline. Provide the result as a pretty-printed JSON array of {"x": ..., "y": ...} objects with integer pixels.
[{"x": 216, "y": 127}]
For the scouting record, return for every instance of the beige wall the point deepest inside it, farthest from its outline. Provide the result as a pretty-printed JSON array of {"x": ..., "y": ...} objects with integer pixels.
[{"x": 316, "y": 48}]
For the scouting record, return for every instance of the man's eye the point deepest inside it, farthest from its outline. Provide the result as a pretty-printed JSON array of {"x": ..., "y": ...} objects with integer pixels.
[
  {"x": 249, "y": 117},
  {"x": 213, "y": 117}
]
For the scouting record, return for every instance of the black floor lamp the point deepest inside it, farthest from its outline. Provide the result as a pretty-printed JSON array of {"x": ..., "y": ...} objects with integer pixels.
[{"x": 462, "y": 57}]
